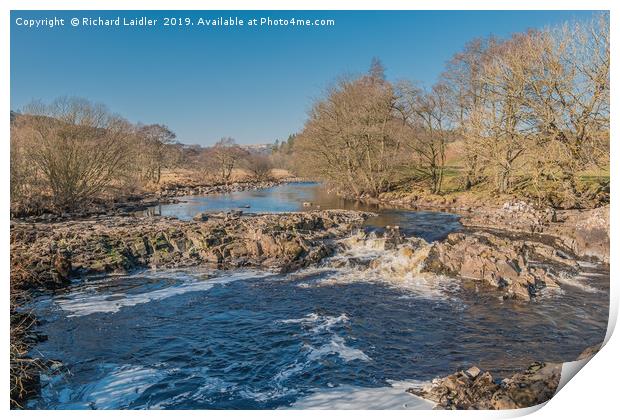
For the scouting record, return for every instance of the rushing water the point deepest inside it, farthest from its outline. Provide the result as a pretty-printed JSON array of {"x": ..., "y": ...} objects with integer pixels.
[{"x": 344, "y": 334}]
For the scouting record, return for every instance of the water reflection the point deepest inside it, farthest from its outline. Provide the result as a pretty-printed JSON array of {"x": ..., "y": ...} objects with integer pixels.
[{"x": 291, "y": 197}]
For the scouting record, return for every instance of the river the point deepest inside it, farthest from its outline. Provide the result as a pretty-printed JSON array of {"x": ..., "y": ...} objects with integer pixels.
[{"x": 340, "y": 335}]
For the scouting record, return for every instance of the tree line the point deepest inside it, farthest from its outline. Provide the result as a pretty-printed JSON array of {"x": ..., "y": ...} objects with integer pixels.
[
  {"x": 71, "y": 152},
  {"x": 527, "y": 115}
]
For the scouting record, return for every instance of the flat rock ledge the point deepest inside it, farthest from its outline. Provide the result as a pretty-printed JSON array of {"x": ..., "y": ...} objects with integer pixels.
[
  {"x": 475, "y": 389},
  {"x": 584, "y": 232},
  {"x": 48, "y": 255}
]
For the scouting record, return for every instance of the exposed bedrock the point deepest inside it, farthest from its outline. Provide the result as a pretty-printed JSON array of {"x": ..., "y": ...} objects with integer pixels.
[
  {"x": 584, "y": 232},
  {"x": 516, "y": 268},
  {"x": 475, "y": 389},
  {"x": 587, "y": 233},
  {"x": 48, "y": 254}
]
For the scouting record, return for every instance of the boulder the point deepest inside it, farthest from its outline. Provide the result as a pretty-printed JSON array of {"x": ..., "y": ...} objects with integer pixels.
[
  {"x": 536, "y": 385},
  {"x": 501, "y": 262},
  {"x": 201, "y": 217},
  {"x": 461, "y": 390},
  {"x": 234, "y": 214},
  {"x": 588, "y": 234},
  {"x": 475, "y": 389},
  {"x": 61, "y": 263}
]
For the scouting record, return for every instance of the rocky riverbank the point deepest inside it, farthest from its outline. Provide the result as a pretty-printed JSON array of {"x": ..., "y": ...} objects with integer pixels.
[
  {"x": 130, "y": 204},
  {"x": 180, "y": 190},
  {"x": 585, "y": 232},
  {"x": 475, "y": 389}
]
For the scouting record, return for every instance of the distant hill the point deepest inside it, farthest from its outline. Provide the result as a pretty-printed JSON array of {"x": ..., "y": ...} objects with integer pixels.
[{"x": 258, "y": 149}]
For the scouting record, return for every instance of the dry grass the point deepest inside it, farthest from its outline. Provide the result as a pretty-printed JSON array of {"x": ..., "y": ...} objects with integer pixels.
[
  {"x": 24, "y": 370},
  {"x": 188, "y": 177}
]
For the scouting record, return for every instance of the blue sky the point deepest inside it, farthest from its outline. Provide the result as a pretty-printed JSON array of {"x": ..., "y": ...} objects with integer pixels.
[{"x": 255, "y": 84}]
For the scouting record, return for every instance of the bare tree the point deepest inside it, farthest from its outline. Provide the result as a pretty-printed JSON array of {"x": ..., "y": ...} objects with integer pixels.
[
  {"x": 533, "y": 111},
  {"x": 259, "y": 166},
  {"x": 569, "y": 101},
  {"x": 502, "y": 121},
  {"x": 223, "y": 157},
  {"x": 77, "y": 147},
  {"x": 463, "y": 79},
  {"x": 157, "y": 152},
  {"x": 428, "y": 116},
  {"x": 352, "y": 137}
]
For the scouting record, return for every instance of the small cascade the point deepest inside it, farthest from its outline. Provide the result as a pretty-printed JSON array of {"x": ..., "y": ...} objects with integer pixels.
[{"x": 388, "y": 258}]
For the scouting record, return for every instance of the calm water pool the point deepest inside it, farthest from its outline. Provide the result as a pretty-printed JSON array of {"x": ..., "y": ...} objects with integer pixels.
[{"x": 292, "y": 196}]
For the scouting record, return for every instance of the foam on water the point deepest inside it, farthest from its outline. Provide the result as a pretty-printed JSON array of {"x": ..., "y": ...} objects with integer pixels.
[
  {"x": 365, "y": 257},
  {"x": 124, "y": 386},
  {"x": 120, "y": 387},
  {"x": 89, "y": 300},
  {"x": 346, "y": 397},
  {"x": 209, "y": 384},
  {"x": 263, "y": 396},
  {"x": 338, "y": 347},
  {"x": 319, "y": 324},
  {"x": 577, "y": 281},
  {"x": 587, "y": 264}
]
